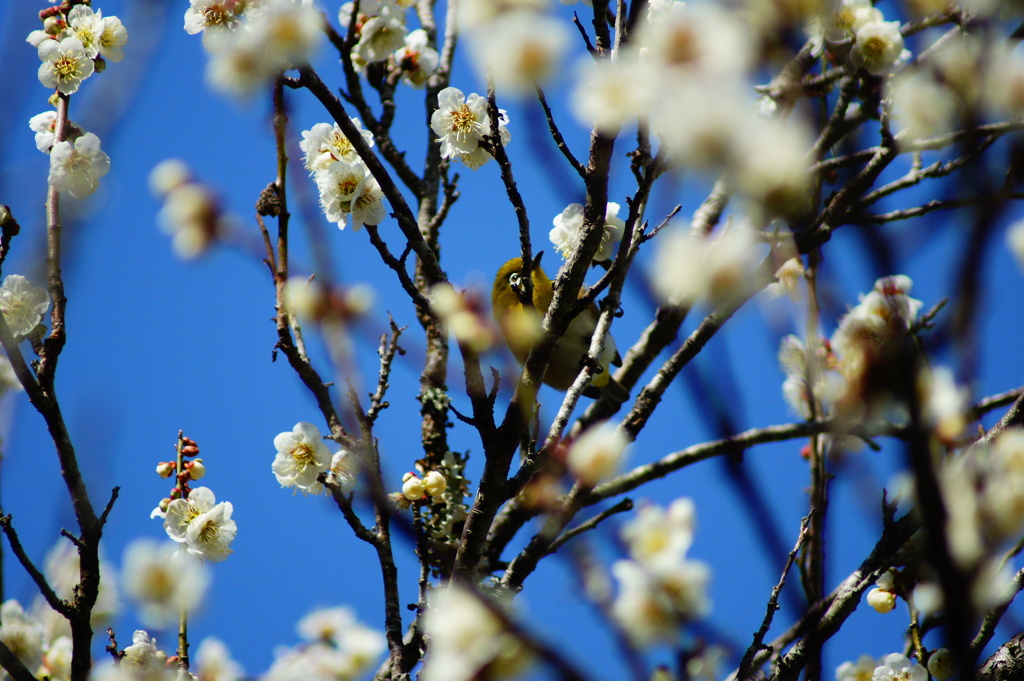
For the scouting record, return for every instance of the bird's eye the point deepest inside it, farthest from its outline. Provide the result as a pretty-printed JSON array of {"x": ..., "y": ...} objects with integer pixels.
[{"x": 515, "y": 279}]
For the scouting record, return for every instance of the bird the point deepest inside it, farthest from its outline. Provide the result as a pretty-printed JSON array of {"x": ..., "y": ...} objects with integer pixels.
[{"x": 520, "y": 322}]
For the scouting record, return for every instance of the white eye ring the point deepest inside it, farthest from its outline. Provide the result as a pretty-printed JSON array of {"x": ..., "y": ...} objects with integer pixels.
[{"x": 515, "y": 279}]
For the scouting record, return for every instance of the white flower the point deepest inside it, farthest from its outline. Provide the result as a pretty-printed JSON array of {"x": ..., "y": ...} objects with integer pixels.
[
  {"x": 520, "y": 50},
  {"x": 829, "y": 385},
  {"x": 597, "y": 453},
  {"x": 771, "y": 163},
  {"x": 44, "y": 125},
  {"x": 897, "y": 667},
  {"x": 459, "y": 122},
  {"x": 22, "y": 634},
  {"x": 239, "y": 65},
  {"x": 201, "y": 524},
  {"x": 143, "y": 655},
  {"x": 349, "y": 188},
  {"x": 416, "y": 60},
  {"x": 113, "y": 38},
  {"x": 343, "y": 470},
  {"x": 213, "y": 662},
  {"x": 462, "y": 317},
  {"x": 87, "y": 26},
  {"x": 879, "y": 47},
  {"x": 324, "y": 144},
  {"x": 77, "y": 167},
  {"x": 162, "y": 581},
  {"x": 565, "y": 234},
  {"x": 467, "y": 641},
  {"x": 327, "y": 625},
  {"x": 65, "y": 64},
  {"x": 22, "y": 304},
  {"x": 379, "y": 37},
  {"x": 213, "y": 17},
  {"x": 862, "y": 670},
  {"x": 301, "y": 457}
]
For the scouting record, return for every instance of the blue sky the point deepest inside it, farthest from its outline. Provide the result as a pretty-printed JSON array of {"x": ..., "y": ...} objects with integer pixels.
[{"x": 157, "y": 345}]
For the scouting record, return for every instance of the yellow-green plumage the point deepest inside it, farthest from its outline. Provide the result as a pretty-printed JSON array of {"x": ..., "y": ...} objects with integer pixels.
[{"x": 519, "y": 321}]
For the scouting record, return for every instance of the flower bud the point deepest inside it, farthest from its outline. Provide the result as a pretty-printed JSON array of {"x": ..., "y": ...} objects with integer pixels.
[
  {"x": 164, "y": 503},
  {"x": 881, "y": 600},
  {"x": 54, "y": 25},
  {"x": 412, "y": 487},
  {"x": 435, "y": 484},
  {"x": 165, "y": 469},
  {"x": 196, "y": 468},
  {"x": 5, "y": 214}
]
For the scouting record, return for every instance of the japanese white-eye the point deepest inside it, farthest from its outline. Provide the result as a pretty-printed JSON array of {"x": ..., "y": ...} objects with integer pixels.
[{"x": 520, "y": 323}]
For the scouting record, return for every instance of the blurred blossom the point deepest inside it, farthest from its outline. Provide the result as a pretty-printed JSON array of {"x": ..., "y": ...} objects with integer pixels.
[
  {"x": 520, "y": 50},
  {"x": 301, "y": 457},
  {"x": 162, "y": 581},
  {"x": 76, "y": 167},
  {"x": 841, "y": 22},
  {"x": 213, "y": 662},
  {"x": 922, "y": 106},
  {"x": 658, "y": 535},
  {"x": 1015, "y": 242},
  {"x": 772, "y": 164},
  {"x": 702, "y": 41},
  {"x": 22, "y": 634},
  {"x": 65, "y": 64},
  {"x": 61, "y": 568},
  {"x": 467, "y": 639},
  {"x": 22, "y": 304},
  {"x": 57, "y": 660},
  {"x": 788, "y": 278},
  {"x": 339, "y": 649},
  {"x": 476, "y": 14},
  {"x": 689, "y": 267},
  {"x": 416, "y": 59},
  {"x": 8, "y": 380},
  {"x": 191, "y": 213},
  {"x": 464, "y": 316},
  {"x": 942, "y": 665},
  {"x": 568, "y": 224},
  {"x": 597, "y": 453},
  {"x": 897, "y": 667},
  {"x": 610, "y": 94},
  {"x": 653, "y": 603},
  {"x": 828, "y": 386},
  {"x": 861, "y": 670},
  {"x": 945, "y": 403}
]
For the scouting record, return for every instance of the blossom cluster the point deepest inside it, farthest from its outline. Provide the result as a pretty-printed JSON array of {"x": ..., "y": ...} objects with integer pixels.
[
  {"x": 382, "y": 38},
  {"x": 659, "y": 587},
  {"x": 336, "y": 646},
  {"x": 251, "y": 41},
  {"x": 840, "y": 372},
  {"x": 858, "y": 26},
  {"x": 302, "y": 458},
  {"x": 346, "y": 185},
  {"x": 191, "y": 213},
  {"x": 699, "y": 58},
  {"x": 74, "y": 46}
]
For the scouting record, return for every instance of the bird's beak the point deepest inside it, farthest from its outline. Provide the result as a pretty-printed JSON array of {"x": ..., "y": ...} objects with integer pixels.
[{"x": 536, "y": 259}]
